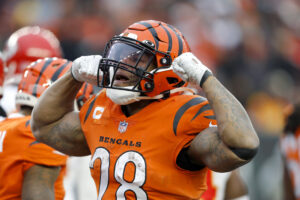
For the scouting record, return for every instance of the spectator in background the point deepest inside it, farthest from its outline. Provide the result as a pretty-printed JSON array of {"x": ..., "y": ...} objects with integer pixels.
[{"x": 290, "y": 147}]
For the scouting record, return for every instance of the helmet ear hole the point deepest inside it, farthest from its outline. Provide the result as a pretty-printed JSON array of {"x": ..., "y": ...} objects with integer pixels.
[{"x": 172, "y": 80}]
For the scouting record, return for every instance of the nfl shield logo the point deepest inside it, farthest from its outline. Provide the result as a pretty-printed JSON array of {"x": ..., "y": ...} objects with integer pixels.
[{"x": 123, "y": 126}]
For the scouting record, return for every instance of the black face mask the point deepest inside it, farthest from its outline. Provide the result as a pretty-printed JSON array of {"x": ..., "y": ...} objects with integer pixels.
[{"x": 131, "y": 56}]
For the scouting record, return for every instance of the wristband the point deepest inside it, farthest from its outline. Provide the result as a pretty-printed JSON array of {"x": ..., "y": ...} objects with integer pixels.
[{"x": 206, "y": 74}]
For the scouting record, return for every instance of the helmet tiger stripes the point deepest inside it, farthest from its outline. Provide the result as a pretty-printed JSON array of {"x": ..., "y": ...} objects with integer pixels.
[
  {"x": 39, "y": 75},
  {"x": 164, "y": 38},
  {"x": 152, "y": 46}
]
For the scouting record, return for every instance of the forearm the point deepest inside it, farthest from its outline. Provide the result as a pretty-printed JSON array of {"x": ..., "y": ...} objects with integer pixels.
[
  {"x": 56, "y": 101},
  {"x": 39, "y": 182},
  {"x": 43, "y": 192},
  {"x": 234, "y": 126}
]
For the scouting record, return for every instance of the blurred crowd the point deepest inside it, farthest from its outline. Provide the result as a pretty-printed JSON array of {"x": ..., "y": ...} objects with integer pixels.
[{"x": 252, "y": 46}]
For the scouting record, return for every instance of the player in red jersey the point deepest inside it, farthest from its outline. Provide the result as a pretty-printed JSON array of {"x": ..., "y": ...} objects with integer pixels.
[
  {"x": 24, "y": 46},
  {"x": 29, "y": 169},
  {"x": 148, "y": 139},
  {"x": 2, "y": 111},
  {"x": 225, "y": 186},
  {"x": 290, "y": 147}
]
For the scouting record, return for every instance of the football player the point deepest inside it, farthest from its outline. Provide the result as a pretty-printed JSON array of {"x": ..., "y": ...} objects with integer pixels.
[
  {"x": 2, "y": 111},
  {"x": 24, "y": 46},
  {"x": 148, "y": 138},
  {"x": 290, "y": 147},
  {"x": 30, "y": 169},
  {"x": 225, "y": 186}
]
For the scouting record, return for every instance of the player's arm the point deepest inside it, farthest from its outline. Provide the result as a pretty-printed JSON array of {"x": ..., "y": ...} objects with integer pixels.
[
  {"x": 54, "y": 121},
  {"x": 234, "y": 142},
  {"x": 38, "y": 183},
  {"x": 235, "y": 187}
]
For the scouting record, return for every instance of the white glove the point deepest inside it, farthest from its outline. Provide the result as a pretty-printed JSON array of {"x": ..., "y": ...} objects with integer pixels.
[
  {"x": 190, "y": 69},
  {"x": 85, "y": 69}
]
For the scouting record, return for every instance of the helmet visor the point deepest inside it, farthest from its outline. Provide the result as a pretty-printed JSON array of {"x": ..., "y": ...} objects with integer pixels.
[
  {"x": 125, "y": 65},
  {"x": 130, "y": 55}
]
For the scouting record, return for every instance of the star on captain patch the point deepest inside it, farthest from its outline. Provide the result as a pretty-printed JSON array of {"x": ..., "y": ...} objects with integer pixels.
[{"x": 122, "y": 126}]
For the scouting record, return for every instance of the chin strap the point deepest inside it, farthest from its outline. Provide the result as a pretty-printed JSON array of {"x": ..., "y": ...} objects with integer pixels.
[{"x": 167, "y": 93}]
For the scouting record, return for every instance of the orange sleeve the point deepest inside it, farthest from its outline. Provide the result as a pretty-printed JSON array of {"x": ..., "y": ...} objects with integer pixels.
[
  {"x": 42, "y": 154},
  {"x": 195, "y": 119},
  {"x": 39, "y": 153}
]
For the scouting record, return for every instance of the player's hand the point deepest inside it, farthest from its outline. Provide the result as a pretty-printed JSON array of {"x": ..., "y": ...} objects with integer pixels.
[
  {"x": 85, "y": 69},
  {"x": 190, "y": 69}
]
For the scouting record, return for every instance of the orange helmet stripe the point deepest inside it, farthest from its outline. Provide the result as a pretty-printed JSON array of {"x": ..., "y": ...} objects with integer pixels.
[{"x": 47, "y": 63}]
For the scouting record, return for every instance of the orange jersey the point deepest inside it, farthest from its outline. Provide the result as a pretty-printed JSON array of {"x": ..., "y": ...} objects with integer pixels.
[
  {"x": 19, "y": 151},
  {"x": 135, "y": 157},
  {"x": 290, "y": 146}
]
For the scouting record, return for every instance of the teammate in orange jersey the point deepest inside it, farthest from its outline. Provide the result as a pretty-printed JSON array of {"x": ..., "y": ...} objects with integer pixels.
[
  {"x": 290, "y": 147},
  {"x": 29, "y": 169},
  {"x": 148, "y": 139}
]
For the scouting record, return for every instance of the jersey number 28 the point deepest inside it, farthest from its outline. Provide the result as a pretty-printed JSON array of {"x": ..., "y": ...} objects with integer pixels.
[{"x": 127, "y": 157}]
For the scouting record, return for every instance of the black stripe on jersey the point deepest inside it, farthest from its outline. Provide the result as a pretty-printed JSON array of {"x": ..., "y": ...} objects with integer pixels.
[
  {"x": 47, "y": 63},
  {"x": 58, "y": 72},
  {"x": 183, "y": 109},
  {"x": 84, "y": 89},
  {"x": 169, "y": 37},
  {"x": 201, "y": 110},
  {"x": 210, "y": 117},
  {"x": 89, "y": 109},
  {"x": 180, "y": 43},
  {"x": 152, "y": 31},
  {"x": 27, "y": 123}
]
